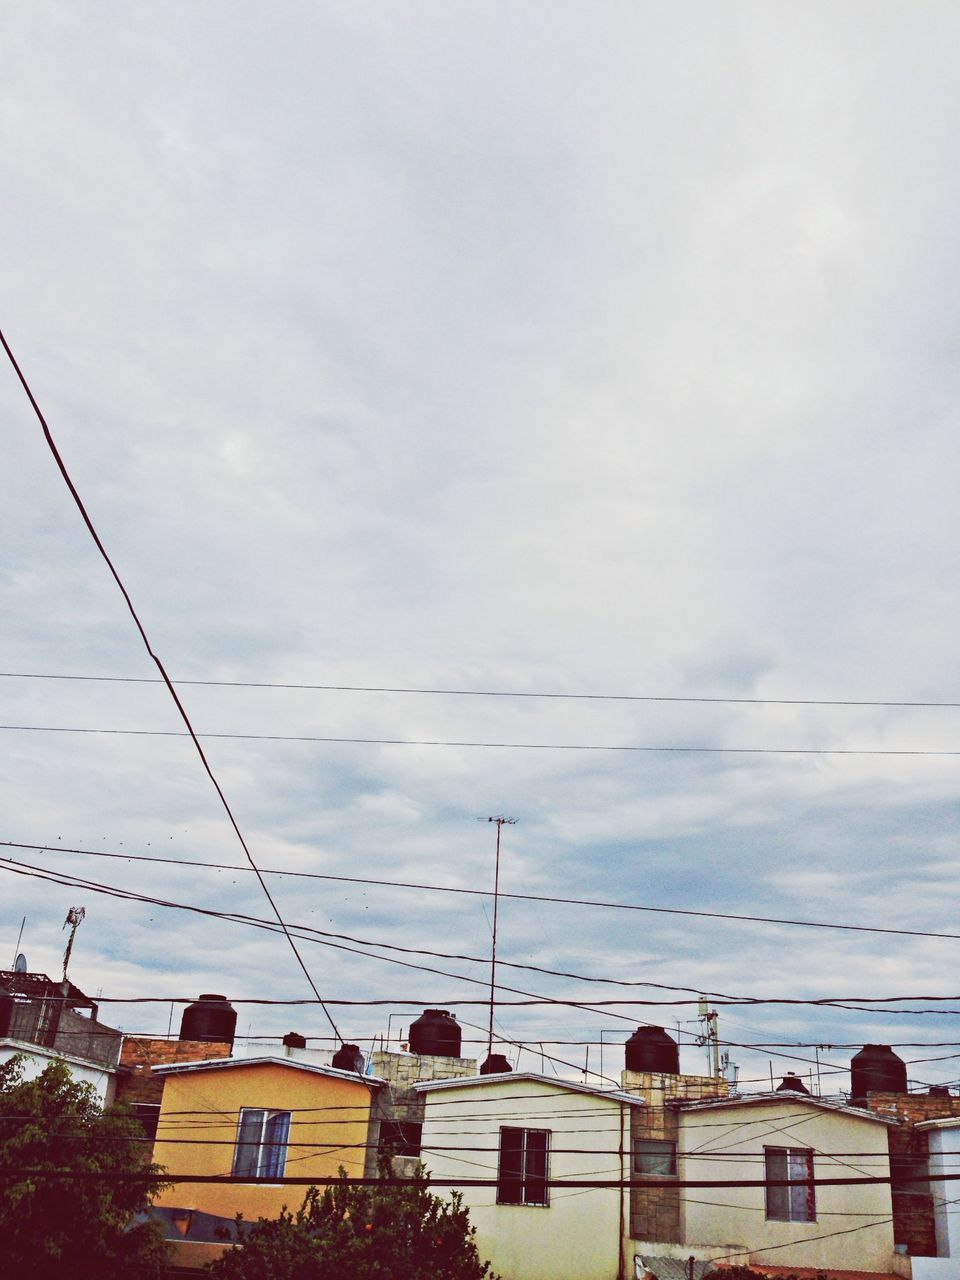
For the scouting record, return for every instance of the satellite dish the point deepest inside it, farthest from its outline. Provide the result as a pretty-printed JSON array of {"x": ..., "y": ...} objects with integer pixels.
[{"x": 20, "y": 964}]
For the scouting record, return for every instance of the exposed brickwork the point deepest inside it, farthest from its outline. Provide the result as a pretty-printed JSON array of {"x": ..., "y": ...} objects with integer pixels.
[
  {"x": 140, "y": 1054},
  {"x": 655, "y": 1211},
  {"x": 913, "y": 1215}
]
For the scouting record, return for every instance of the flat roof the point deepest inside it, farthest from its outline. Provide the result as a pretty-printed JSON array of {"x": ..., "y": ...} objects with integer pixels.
[{"x": 298, "y": 1064}]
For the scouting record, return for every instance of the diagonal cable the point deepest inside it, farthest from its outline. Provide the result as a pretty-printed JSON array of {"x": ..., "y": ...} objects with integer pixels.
[{"x": 163, "y": 673}]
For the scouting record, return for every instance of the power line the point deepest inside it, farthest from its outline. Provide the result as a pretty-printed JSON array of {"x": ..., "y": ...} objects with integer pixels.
[
  {"x": 491, "y": 693},
  {"x": 159, "y": 665},
  {"x": 505, "y": 746},
  {"x": 486, "y": 893},
  {"x": 323, "y": 937}
]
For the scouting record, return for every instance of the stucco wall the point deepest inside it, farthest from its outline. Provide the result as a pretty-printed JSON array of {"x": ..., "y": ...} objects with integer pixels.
[
  {"x": 37, "y": 1059},
  {"x": 728, "y": 1142},
  {"x": 577, "y": 1234},
  {"x": 329, "y": 1121}
]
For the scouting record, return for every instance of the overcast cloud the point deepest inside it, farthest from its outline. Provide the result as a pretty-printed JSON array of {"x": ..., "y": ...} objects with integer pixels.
[{"x": 530, "y": 347}]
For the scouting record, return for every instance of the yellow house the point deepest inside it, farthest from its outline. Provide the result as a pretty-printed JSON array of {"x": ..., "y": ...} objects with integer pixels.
[{"x": 265, "y": 1118}]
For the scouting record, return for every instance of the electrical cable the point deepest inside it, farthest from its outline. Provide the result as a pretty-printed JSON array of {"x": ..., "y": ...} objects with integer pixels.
[
  {"x": 48, "y": 436},
  {"x": 339, "y": 739},
  {"x": 486, "y": 893},
  {"x": 489, "y": 693}
]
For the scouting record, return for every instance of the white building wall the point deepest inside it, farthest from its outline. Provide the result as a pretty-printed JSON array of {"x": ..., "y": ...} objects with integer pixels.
[
  {"x": 728, "y": 1142},
  {"x": 578, "y": 1233},
  {"x": 37, "y": 1058}
]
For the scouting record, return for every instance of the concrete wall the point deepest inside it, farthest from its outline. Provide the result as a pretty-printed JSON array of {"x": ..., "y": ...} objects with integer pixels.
[
  {"x": 37, "y": 1059},
  {"x": 944, "y": 1158},
  {"x": 398, "y": 1101},
  {"x": 727, "y": 1143},
  {"x": 578, "y": 1233}
]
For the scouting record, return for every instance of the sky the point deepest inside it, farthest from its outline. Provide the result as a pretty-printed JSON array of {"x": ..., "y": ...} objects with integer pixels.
[{"x": 505, "y": 349}]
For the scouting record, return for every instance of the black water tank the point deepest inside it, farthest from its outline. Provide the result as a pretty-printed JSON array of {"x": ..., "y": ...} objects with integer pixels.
[
  {"x": 495, "y": 1064},
  {"x": 938, "y": 1091},
  {"x": 651, "y": 1049},
  {"x": 294, "y": 1040},
  {"x": 348, "y": 1057},
  {"x": 435, "y": 1032},
  {"x": 209, "y": 1018},
  {"x": 792, "y": 1084},
  {"x": 876, "y": 1069}
]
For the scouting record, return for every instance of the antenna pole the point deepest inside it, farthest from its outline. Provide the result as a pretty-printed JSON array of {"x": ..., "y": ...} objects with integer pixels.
[
  {"x": 500, "y": 820},
  {"x": 74, "y": 917},
  {"x": 16, "y": 949}
]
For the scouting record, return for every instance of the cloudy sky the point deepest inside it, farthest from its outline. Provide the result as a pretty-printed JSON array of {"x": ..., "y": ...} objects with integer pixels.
[{"x": 511, "y": 348}]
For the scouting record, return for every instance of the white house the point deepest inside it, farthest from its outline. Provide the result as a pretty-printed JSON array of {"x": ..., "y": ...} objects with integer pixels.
[
  {"x": 943, "y": 1138},
  {"x": 601, "y": 1184}
]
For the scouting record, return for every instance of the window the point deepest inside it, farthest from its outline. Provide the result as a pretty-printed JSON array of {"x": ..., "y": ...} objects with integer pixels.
[
  {"x": 789, "y": 1165},
  {"x": 400, "y": 1137},
  {"x": 522, "y": 1171},
  {"x": 654, "y": 1156},
  {"x": 261, "y": 1143}
]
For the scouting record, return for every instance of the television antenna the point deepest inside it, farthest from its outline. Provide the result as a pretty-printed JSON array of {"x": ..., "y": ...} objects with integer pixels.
[{"x": 501, "y": 822}]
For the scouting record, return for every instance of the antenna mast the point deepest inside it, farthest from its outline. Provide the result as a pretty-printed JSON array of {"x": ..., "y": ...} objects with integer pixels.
[
  {"x": 501, "y": 821},
  {"x": 74, "y": 916}
]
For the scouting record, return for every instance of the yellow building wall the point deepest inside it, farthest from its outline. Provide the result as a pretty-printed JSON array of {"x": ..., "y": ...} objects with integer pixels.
[
  {"x": 853, "y": 1228},
  {"x": 200, "y": 1115}
]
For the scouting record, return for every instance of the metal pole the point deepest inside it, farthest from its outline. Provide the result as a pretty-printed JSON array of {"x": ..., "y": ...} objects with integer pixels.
[{"x": 493, "y": 948}]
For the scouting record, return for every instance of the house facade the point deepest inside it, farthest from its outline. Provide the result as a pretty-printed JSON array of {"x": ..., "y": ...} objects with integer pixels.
[
  {"x": 43, "y": 1021},
  {"x": 262, "y": 1118},
  {"x": 540, "y": 1143}
]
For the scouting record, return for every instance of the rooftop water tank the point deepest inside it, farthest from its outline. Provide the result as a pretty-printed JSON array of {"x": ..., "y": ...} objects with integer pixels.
[
  {"x": 651, "y": 1049},
  {"x": 876, "y": 1069},
  {"x": 435, "y": 1032},
  {"x": 294, "y": 1040},
  {"x": 211, "y": 1017},
  {"x": 792, "y": 1084},
  {"x": 494, "y": 1064},
  {"x": 348, "y": 1057}
]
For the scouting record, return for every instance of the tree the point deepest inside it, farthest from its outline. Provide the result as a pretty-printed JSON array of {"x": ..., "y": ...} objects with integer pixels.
[
  {"x": 381, "y": 1232},
  {"x": 63, "y": 1213}
]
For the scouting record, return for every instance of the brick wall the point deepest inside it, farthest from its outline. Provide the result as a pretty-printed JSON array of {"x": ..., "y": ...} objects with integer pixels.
[
  {"x": 913, "y": 1214},
  {"x": 140, "y": 1054}
]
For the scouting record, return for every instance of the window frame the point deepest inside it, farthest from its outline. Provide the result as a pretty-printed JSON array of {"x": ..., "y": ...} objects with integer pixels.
[
  {"x": 656, "y": 1148},
  {"x": 793, "y": 1202},
  {"x": 269, "y": 1151},
  {"x": 526, "y": 1186}
]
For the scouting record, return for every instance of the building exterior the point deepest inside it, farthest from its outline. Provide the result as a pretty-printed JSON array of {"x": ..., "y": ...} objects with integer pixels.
[
  {"x": 528, "y": 1134},
  {"x": 44, "y": 1021},
  {"x": 254, "y": 1117},
  {"x": 943, "y": 1165}
]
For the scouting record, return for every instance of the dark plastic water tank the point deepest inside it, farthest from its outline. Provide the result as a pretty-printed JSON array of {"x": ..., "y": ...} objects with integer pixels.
[
  {"x": 494, "y": 1064},
  {"x": 651, "y": 1049},
  {"x": 348, "y": 1057},
  {"x": 938, "y": 1091},
  {"x": 435, "y": 1032},
  {"x": 792, "y": 1084},
  {"x": 876, "y": 1069},
  {"x": 294, "y": 1040},
  {"x": 211, "y": 1017}
]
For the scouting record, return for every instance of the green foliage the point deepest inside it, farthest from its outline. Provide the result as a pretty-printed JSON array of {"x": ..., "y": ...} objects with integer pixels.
[
  {"x": 360, "y": 1233},
  {"x": 71, "y": 1227}
]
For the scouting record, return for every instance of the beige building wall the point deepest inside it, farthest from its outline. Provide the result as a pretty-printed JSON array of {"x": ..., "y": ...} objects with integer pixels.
[
  {"x": 578, "y": 1233},
  {"x": 727, "y": 1143}
]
